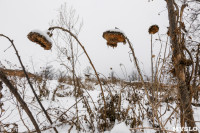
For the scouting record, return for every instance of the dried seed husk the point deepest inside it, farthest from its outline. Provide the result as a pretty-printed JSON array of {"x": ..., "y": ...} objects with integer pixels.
[{"x": 40, "y": 39}]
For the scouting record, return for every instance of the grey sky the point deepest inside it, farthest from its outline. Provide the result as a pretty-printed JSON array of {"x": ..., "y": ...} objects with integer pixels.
[{"x": 133, "y": 17}]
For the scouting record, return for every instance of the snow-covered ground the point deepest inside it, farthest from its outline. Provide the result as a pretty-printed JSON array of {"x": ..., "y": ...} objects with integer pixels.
[{"x": 132, "y": 111}]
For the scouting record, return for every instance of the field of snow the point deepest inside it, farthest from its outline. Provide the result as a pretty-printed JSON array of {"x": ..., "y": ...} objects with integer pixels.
[{"x": 128, "y": 109}]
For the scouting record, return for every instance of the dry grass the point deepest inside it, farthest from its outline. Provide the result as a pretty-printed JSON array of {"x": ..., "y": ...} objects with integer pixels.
[{"x": 19, "y": 73}]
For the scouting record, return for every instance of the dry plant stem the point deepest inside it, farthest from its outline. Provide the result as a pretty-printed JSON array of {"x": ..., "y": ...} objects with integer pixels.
[
  {"x": 157, "y": 79},
  {"x": 20, "y": 115},
  {"x": 13, "y": 90},
  {"x": 174, "y": 110},
  {"x": 137, "y": 66},
  {"x": 169, "y": 131},
  {"x": 185, "y": 105},
  {"x": 68, "y": 109},
  {"x": 43, "y": 109},
  {"x": 141, "y": 77},
  {"x": 152, "y": 75},
  {"x": 194, "y": 86},
  {"x": 158, "y": 62},
  {"x": 89, "y": 110},
  {"x": 51, "y": 126},
  {"x": 74, "y": 81},
  {"x": 90, "y": 97},
  {"x": 164, "y": 59},
  {"x": 188, "y": 82},
  {"x": 74, "y": 36},
  {"x": 152, "y": 59},
  {"x": 83, "y": 87}
]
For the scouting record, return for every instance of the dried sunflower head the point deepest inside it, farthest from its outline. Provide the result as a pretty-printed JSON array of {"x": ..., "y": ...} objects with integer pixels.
[
  {"x": 41, "y": 39},
  {"x": 113, "y": 37},
  {"x": 153, "y": 29}
]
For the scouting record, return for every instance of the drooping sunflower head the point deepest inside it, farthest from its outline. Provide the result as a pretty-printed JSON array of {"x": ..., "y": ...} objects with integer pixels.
[
  {"x": 113, "y": 37},
  {"x": 41, "y": 39}
]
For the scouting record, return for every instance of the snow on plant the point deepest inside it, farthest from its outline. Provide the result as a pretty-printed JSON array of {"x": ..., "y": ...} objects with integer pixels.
[{"x": 41, "y": 38}]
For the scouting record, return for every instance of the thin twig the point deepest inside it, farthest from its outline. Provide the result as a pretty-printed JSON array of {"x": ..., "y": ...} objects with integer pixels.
[
  {"x": 90, "y": 61},
  {"x": 141, "y": 77},
  {"x": 153, "y": 129},
  {"x": 29, "y": 82}
]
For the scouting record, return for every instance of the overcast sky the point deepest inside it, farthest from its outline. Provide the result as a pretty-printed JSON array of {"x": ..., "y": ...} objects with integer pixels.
[{"x": 133, "y": 17}]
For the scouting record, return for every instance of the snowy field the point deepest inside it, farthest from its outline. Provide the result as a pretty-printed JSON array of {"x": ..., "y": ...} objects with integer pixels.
[{"x": 128, "y": 109}]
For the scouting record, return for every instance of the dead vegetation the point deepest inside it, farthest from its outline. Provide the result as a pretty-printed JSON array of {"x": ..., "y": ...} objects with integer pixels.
[
  {"x": 40, "y": 39},
  {"x": 153, "y": 29},
  {"x": 113, "y": 37},
  {"x": 164, "y": 100},
  {"x": 18, "y": 73}
]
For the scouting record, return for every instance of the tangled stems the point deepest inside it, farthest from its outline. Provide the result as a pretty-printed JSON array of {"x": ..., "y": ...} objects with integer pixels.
[
  {"x": 31, "y": 86},
  {"x": 90, "y": 61},
  {"x": 141, "y": 77}
]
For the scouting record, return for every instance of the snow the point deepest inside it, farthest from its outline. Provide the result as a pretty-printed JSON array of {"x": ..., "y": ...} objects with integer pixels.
[
  {"x": 120, "y": 128},
  {"x": 66, "y": 103},
  {"x": 116, "y": 30}
]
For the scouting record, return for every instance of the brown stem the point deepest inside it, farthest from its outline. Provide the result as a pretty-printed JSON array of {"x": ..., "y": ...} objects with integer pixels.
[
  {"x": 75, "y": 37},
  {"x": 29, "y": 82},
  {"x": 152, "y": 73},
  {"x": 74, "y": 82},
  {"x": 152, "y": 80},
  {"x": 186, "y": 115},
  {"x": 194, "y": 86},
  {"x": 21, "y": 117},
  {"x": 68, "y": 109},
  {"x": 141, "y": 77},
  {"x": 13, "y": 90}
]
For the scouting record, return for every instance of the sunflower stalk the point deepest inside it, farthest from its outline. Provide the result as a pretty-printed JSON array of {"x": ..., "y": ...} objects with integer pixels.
[
  {"x": 90, "y": 61},
  {"x": 29, "y": 82},
  {"x": 142, "y": 79}
]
